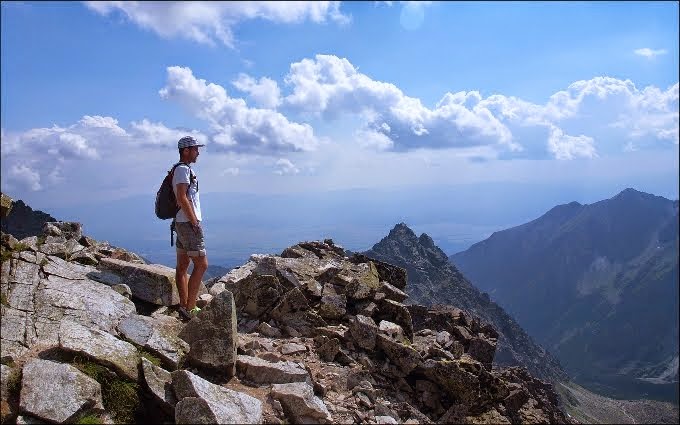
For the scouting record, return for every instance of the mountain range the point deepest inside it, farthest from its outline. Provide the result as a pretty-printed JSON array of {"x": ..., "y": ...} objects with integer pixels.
[{"x": 597, "y": 285}]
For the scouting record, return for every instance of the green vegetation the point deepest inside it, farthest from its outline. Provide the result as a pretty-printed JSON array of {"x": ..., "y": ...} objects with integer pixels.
[
  {"x": 43, "y": 262},
  {"x": 90, "y": 419},
  {"x": 3, "y": 300},
  {"x": 41, "y": 240},
  {"x": 119, "y": 395},
  {"x": 5, "y": 254},
  {"x": 150, "y": 357},
  {"x": 21, "y": 247},
  {"x": 14, "y": 384}
]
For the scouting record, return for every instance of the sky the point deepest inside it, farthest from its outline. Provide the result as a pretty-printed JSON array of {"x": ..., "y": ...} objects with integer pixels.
[{"x": 310, "y": 102}]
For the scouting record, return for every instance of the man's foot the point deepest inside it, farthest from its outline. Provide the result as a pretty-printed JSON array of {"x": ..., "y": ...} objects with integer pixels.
[{"x": 184, "y": 314}]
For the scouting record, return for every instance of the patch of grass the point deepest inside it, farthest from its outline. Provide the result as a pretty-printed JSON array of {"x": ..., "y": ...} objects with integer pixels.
[
  {"x": 41, "y": 240},
  {"x": 21, "y": 247},
  {"x": 90, "y": 419},
  {"x": 120, "y": 396},
  {"x": 43, "y": 262},
  {"x": 14, "y": 384},
  {"x": 150, "y": 357},
  {"x": 3, "y": 300},
  {"x": 5, "y": 254}
]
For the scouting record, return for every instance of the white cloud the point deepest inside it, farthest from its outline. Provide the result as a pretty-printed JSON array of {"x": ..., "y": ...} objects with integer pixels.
[
  {"x": 286, "y": 167},
  {"x": 210, "y": 22},
  {"x": 650, "y": 53},
  {"x": 564, "y": 146},
  {"x": 606, "y": 111},
  {"x": 330, "y": 87},
  {"x": 24, "y": 177},
  {"x": 235, "y": 126},
  {"x": 265, "y": 92}
]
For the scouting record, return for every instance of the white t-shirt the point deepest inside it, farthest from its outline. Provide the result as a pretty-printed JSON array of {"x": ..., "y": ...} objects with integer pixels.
[{"x": 184, "y": 174}]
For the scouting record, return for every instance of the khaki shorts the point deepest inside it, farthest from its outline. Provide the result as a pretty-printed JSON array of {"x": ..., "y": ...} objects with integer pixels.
[{"x": 190, "y": 240}]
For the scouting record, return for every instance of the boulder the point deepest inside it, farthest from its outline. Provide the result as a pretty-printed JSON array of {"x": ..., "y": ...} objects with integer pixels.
[
  {"x": 159, "y": 382},
  {"x": 212, "y": 336},
  {"x": 57, "y": 392},
  {"x": 404, "y": 356},
  {"x": 300, "y": 404},
  {"x": 364, "y": 331},
  {"x": 203, "y": 402},
  {"x": 154, "y": 283},
  {"x": 392, "y": 292},
  {"x": 159, "y": 339},
  {"x": 103, "y": 347},
  {"x": 260, "y": 371}
]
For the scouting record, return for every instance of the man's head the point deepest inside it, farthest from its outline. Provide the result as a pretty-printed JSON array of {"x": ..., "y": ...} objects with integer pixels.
[{"x": 188, "y": 149}]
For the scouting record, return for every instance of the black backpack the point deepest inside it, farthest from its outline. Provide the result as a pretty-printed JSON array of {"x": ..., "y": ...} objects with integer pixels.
[{"x": 166, "y": 203}]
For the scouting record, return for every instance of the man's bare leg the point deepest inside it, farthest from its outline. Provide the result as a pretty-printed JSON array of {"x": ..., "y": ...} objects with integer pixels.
[
  {"x": 181, "y": 277},
  {"x": 200, "y": 266}
]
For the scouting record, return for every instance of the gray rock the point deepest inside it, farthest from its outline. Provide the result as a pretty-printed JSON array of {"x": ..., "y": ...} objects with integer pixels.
[
  {"x": 83, "y": 301},
  {"x": 102, "y": 346},
  {"x": 392, "y": 330},
  {"x": 154, "y": 283},
  {"x": 291, "y": 302},
  {"x": 405, "y": 357},
  {"x": 67, "y": 229},
  {"x": 329, "y": 349},
  {"x": 300, "y": 404},
  {"x": 483, "y": 350},
  {"x": 268, "y": 330},
  {"x": 57, "y": 392},
  {"x": 218, "y": 405},
  {"x": 159, "y": 382},
  {"x": 392, "y": 292},
  {"x": 292, "y": 348},
  {"x": 261, "y": 371},
  {"x": 212, "y": 336},
  {"x": 333, "y": 306},
  {"x": 364, "y": 331},
  {"x": 156, "y": 337},
  {"x": 397, "y": 313}
]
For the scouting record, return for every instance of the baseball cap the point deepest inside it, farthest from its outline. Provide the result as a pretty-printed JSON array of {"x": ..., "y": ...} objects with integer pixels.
[{"x": 187, "y": 142}]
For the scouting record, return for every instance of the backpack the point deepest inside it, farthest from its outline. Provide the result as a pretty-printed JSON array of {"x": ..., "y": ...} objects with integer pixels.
[{"x": 166, "y": 203}]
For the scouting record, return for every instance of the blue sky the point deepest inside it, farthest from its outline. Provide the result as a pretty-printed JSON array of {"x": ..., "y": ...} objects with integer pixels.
[{"x": 337, "y": 96}]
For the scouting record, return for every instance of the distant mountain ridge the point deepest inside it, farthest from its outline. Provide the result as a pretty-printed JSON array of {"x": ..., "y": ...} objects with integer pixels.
[
  {"x": 595, "y": 284},
  {"x": 434, "y": 280}
]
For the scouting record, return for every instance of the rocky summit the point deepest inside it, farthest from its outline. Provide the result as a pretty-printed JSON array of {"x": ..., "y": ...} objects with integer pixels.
[{"x": 91, "y": 333}]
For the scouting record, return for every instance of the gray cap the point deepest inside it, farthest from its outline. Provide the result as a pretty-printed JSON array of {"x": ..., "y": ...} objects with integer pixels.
[{"x": 187, "y": 142}]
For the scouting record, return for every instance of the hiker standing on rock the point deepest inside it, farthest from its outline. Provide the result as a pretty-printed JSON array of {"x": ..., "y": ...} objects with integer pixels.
[{"x": 187, "y": 224}]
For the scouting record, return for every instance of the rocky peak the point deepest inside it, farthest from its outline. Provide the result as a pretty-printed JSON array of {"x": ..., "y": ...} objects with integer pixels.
[
  {"x": 22, "y": 220},
  {"x": 310, "y": 335},
  {"x": 433, "y": 280}
]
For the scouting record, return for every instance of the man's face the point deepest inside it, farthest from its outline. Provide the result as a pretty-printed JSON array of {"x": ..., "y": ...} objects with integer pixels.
[{"x": 193, "y": 153}]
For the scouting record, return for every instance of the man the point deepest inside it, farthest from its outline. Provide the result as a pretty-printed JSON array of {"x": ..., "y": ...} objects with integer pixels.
[{"x": 190, "y": 242}]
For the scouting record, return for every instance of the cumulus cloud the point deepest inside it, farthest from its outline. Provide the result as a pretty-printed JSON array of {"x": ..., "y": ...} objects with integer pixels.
[
  {"x": 38, "y": 158},
  {"x": 265, "y": 92},
  {"x": 286, "y": 167},
  {"x": 330, "y": 87},
  {"x": 236, "y": 126},
  {"x": 24, "y": 177},
  {"x": 564, "y": 146},
  {"x": 649, "y": 53},
  {"x": 211, "y": 22}
]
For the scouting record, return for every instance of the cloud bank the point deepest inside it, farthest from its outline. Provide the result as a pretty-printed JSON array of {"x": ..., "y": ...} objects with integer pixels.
[{"x": 276, "y": 126}]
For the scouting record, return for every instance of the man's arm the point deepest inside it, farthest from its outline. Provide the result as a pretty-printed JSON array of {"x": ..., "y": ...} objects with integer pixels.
[{"x": 185, "y": 204}]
